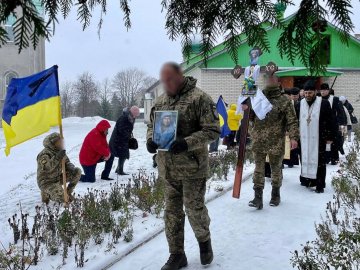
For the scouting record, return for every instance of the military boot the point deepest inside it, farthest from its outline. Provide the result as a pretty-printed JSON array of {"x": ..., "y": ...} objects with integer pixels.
[
  {"x": 206, "y": 252},
  {"x": 275, "y": 196},
  {"x": 257, "y": 202},
  {"x": 175, "y": 262}
]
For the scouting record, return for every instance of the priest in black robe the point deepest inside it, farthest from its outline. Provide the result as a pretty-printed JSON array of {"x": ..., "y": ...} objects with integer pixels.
[{"x": 317, "y": 130}]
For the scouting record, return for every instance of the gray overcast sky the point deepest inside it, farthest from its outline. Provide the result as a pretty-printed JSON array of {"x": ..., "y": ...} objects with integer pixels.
[{"x": 145, "y": 46}]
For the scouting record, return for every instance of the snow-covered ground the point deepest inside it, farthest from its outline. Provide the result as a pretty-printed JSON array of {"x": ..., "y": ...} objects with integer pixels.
[
  {"x": 244, "y": 238},
  {"x": 18, "y": 185},
  {"x": 18, "y": 182}
]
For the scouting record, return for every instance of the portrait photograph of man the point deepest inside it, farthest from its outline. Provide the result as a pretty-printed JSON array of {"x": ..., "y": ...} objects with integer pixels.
[{"x": 165, "y": 126}]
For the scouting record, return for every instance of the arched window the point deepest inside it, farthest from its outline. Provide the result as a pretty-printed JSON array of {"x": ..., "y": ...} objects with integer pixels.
[
  {"x": 7, "y": 79},
  {"x": 9, "y": 28}
]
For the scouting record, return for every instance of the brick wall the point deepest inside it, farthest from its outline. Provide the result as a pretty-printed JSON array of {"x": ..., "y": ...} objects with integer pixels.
[
  {"x": 218, "y": 82},
  {"x": 221, "y": 82},
  {"x": 348, "y": 85}
]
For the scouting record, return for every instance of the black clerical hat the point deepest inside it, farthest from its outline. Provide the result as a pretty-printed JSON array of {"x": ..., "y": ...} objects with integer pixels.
[{"x": 310, "y": 85}]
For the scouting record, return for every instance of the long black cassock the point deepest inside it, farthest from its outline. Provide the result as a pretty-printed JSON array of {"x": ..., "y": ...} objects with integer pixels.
[{"x": 317, "y": 126}]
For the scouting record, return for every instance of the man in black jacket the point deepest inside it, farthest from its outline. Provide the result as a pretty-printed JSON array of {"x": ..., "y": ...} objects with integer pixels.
[
  {"x": 119, "y": 141},
  {"x": 339, "y": 112},
  {"x": 350, "y": 109}
]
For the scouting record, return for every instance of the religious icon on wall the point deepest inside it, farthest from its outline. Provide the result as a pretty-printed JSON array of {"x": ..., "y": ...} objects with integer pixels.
[
  {"x": 252, "y": 73},
  {"x": 164, "y": 130}
]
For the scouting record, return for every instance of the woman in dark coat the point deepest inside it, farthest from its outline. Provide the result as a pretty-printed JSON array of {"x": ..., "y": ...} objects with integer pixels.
[{"x": 119, "y": 141}]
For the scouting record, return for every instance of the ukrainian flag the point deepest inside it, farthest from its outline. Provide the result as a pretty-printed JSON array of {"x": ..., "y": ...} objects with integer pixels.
[
  {"x": 32, "y": 106},
  {"x": 221, "y": 109}
]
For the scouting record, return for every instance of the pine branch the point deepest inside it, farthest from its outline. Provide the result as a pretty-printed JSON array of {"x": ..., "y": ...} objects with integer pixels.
[
  {"x": 340, "y": 10},
  {"x": 84, "y": 14},
  {"x": 124, "y": 5},
  {"x": 213, "y": 19},
  {"x": 3, "y": 36},
  {"x": 52, "y": 8},
  {"x": 65, "y": 6}
]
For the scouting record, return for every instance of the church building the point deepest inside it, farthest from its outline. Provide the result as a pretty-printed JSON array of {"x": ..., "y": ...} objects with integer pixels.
[
  {"x": 14, "y": 64},
  {"x": 215, "y": 78}
]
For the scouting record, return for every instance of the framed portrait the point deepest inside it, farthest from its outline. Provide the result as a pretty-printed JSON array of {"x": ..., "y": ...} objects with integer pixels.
[{"x": 164, "y": 130}]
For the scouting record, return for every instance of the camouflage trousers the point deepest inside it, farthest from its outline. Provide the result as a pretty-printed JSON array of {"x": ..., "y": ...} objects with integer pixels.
[
  {"x": 55, "y": 192},
  {"x": 191, "y": 194},
  {"x": 276, "y": 169}
]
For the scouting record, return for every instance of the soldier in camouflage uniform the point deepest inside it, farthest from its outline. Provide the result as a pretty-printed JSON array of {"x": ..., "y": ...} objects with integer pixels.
[
  {"x": 49, "y": 172},
  {"x": 184, "y": 168},
  {"x": 268, "y": 139}
]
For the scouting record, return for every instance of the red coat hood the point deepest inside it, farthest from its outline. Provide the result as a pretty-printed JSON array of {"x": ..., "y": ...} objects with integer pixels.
[{"x": 103, "y": 125}]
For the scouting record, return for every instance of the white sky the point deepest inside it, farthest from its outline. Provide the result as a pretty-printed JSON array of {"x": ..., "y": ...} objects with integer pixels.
[{"x": 145, "y": 46}]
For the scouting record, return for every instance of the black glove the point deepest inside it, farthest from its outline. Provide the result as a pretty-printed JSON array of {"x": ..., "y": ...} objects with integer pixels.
[
  {"x": 61, "y": 154},
  {"x": 151, "y": 146},
  {"x": 179, "y": 146}
]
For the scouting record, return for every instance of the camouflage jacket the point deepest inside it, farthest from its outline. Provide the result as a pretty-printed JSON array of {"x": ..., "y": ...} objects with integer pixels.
[
  {"x": 49, "y": 169},
  {"x": 198, "y": 124},
  {"x": 268, "y": 135}
]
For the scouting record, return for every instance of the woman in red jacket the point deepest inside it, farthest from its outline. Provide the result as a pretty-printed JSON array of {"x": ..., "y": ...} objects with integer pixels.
[{"x": 96, "y": 149}]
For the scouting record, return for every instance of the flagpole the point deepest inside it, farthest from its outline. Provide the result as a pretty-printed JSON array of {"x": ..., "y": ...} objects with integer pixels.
[
  {"x": 63, "y": 168},
  {"x": 63, "y": 161}
]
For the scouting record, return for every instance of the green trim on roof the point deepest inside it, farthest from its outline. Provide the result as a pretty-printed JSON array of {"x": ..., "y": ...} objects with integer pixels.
[
  {"x": 304, "y": 72},
  {"x": 220, "y": 58},
  {"x": 220, "y": 48}
]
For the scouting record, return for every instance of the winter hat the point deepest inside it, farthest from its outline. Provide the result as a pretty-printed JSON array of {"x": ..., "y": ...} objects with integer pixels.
[
  {"x": 51, "y": 139},
  {"x": 294, "y": 91},
  {"x": 310, "y": 85},
  {"x": 54, "y": 137},
  {"x": 342, "y": 99},
  {"x": 324, "y": 86},
  {"x": 135, "y": 111}
]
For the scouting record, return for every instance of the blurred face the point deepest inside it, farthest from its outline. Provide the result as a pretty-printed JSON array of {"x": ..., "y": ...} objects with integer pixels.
[
  {"x": 301, "y": 93},
  {"x": 272, "y": 81},
  {"x": 166, "y": 121},
  {"x": 324, "y": 93},
  {"x": 59, "y": 144},
  {"x": 295, "y": 97},
  {"x": 309, "y": 95},
  {"x": 171, "y": 80},
  {"x": 106, "y": 132},
  {"x": 135, "y": 112}
]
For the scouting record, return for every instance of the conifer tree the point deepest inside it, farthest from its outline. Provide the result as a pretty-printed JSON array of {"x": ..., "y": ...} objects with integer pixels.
[{"x": 212, "y": 19}]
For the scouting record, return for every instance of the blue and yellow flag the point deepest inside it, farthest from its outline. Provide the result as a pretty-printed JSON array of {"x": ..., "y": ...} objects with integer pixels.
[
  {"x": 221, "y": 109},
  {"x": 32, "y": 106}
]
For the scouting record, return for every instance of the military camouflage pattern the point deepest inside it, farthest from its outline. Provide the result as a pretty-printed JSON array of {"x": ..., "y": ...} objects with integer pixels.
[
  {"x": 268, "y": 136},
  {"x": 191, "y": 193},
  {"x": 185, "y": 174},
  {"x": 276, "y": 171},
  {"x": 49, "y": 172},
  {"x": 198, "y": 124}
]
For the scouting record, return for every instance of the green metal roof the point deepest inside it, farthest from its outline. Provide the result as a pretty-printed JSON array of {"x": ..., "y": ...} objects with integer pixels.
[
  {"x": 304, "y": 72},
  {"x": 220, "y": 58}
]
